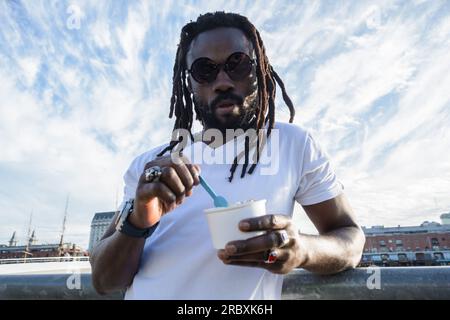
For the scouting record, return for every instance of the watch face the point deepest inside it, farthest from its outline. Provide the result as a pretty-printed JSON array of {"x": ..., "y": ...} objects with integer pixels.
[
  {"x": 118, "y": 218},
  {"x": 124, "y": 214}
]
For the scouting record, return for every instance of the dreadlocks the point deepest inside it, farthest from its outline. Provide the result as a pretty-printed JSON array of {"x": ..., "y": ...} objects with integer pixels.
[{"x": 181, "y": 102}]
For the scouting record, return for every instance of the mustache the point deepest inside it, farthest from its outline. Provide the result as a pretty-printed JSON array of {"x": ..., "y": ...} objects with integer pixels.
[{"x": 227, "y": 96}]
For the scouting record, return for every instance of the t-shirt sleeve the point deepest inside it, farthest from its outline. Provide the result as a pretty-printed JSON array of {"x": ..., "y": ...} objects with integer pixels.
[
  {"x": 318, "y": 180},
  {"x": 130, "y": 179}
]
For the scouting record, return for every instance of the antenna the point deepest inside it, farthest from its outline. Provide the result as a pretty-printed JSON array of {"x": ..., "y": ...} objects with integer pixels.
[{"x": 61, "y": 241}]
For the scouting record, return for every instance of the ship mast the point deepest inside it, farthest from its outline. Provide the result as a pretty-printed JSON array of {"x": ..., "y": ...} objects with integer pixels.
[
  {"x": 27, "y": 246},
  {"x": 61, "y": 241}
]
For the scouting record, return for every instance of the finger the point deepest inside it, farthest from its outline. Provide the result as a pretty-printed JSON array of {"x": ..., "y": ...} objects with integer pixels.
[
  {"x": 170, "y": 177},
  {"x": 272, "y": 267},
  {"x": 185, "y": 176},
  {"x": 247, "y": 264},
  {"x": 267, "y": 222},
  {"x": 159, "y": 190},
  {"x": 195, "y": 173},
  {"x": 267, "y": 241},
  {"x": 282, "y": 255},
  {"x": 158, "y": 162},
  {"x": 275, "y": 267}
]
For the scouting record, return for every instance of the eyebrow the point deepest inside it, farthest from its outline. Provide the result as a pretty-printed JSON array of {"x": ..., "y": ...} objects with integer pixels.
[{"x": 251, "y": 55}]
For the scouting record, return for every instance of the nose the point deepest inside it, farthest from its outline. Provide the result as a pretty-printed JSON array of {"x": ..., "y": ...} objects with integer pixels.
[{"x": 223, "y": 82}]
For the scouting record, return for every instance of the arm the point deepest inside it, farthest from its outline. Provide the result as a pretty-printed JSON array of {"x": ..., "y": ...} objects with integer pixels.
[
  {"x": 340, "y": 242},
  {"x": 115, "y": 259},
  {"x": 338, "y": 246}
]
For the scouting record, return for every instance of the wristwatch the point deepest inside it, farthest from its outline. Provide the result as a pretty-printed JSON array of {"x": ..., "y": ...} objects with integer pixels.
[{"x": 124, "y": 226}]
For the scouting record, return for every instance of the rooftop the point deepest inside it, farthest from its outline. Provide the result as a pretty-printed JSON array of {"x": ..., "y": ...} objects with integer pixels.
[
  {"x": 103, "y": 216},
  {"x": 423, "y": 228}
]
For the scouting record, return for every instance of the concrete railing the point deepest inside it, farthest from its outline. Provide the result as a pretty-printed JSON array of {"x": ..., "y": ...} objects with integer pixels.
[
  {"x": 361, "y": 283},
  {"x": 16, "y": 261}
]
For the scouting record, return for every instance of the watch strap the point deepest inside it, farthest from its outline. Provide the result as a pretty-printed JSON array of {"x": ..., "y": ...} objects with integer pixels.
[
  {"x": 130, "y": 230},
  {"x": 124, "y": 226}
]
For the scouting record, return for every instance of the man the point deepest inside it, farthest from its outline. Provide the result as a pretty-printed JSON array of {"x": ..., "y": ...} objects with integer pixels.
[{"x": 161, "y": 248}]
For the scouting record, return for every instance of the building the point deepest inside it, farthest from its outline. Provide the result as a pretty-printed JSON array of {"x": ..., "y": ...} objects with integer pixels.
[
  {"x": 99, "y": 224},
  {"x": 34, "y": 250},
  {"x": 41, "y": 251},
  {"x": 427, "y": 244},
  {"x": 427, "y": 236}
]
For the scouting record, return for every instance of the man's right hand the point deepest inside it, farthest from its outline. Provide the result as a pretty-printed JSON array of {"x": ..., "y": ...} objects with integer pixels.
[{"x": 154, "y": 199}]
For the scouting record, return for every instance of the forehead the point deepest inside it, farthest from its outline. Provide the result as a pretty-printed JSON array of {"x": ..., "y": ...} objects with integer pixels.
[{"x": 218, "y": 44}]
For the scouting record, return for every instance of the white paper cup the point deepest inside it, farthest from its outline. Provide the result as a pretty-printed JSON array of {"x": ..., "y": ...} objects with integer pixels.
[{"x": 223, "y": 222}]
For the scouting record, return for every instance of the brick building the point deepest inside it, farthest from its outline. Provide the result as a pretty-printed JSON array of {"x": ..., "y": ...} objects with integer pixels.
[
  {"x": 427, "y": 236},
  {"x": 427, "y": 244}
]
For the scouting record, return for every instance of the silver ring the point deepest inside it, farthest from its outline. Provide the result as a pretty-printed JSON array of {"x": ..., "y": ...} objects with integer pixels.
[
  {"x": 284, "y": 237},
  {"x": 152, "y": 174}
]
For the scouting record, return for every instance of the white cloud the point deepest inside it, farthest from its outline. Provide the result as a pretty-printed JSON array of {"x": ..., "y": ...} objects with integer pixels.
[{"x": 370, "y": 81}]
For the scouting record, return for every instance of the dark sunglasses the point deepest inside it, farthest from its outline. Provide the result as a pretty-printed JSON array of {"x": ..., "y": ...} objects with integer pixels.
[{"x": 238, "y": 66}]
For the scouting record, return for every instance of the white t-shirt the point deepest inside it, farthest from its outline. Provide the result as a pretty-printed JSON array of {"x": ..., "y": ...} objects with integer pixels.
[{"x": 179, "y": 262}]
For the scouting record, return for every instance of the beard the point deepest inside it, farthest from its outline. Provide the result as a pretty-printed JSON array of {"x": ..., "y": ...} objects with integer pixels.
[{"x": 244, "y": 118}]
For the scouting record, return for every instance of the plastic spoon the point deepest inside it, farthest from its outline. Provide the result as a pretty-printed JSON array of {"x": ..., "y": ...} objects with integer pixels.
[{"x": 219, "y": 201}]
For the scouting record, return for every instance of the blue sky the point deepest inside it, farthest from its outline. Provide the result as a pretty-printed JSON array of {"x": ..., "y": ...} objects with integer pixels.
[{"x": 85, "y": 87}]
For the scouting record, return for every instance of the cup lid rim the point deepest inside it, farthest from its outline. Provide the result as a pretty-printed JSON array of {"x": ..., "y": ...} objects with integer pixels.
[{"x": 236, "y": 206}]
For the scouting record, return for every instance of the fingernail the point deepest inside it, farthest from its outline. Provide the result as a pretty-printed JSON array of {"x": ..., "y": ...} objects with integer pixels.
[
  {"x": 244, "y": 225},
  {"x": 222, "y": 255},
  {"x": 230, "y": 249}
]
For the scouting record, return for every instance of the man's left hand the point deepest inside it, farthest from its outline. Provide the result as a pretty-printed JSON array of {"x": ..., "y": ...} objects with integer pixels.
[{"x": 278, "y": 250}]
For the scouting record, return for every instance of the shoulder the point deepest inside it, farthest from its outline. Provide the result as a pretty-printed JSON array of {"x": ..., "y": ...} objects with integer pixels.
[
  {"x": 291, "y": 130},
  {"x": 293, "y": 135}
]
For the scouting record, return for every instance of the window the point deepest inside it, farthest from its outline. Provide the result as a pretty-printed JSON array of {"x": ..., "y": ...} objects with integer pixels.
[
  {"x": 402, "y": 257},
  {"x": 382, "y": 243},
  {"x": 438, "y": 256},
  {"x": 399, "y": 242}
]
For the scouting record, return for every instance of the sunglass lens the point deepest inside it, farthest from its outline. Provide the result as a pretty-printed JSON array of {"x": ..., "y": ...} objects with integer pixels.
[
  {"x": 239, "y": 66},
  {"x": 203, "y": 70}
]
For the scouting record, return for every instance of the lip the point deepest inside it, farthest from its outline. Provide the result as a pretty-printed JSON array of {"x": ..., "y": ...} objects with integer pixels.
[
  {"x": 225, "y": 109},
  {"x": 226, "y": 104}
]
